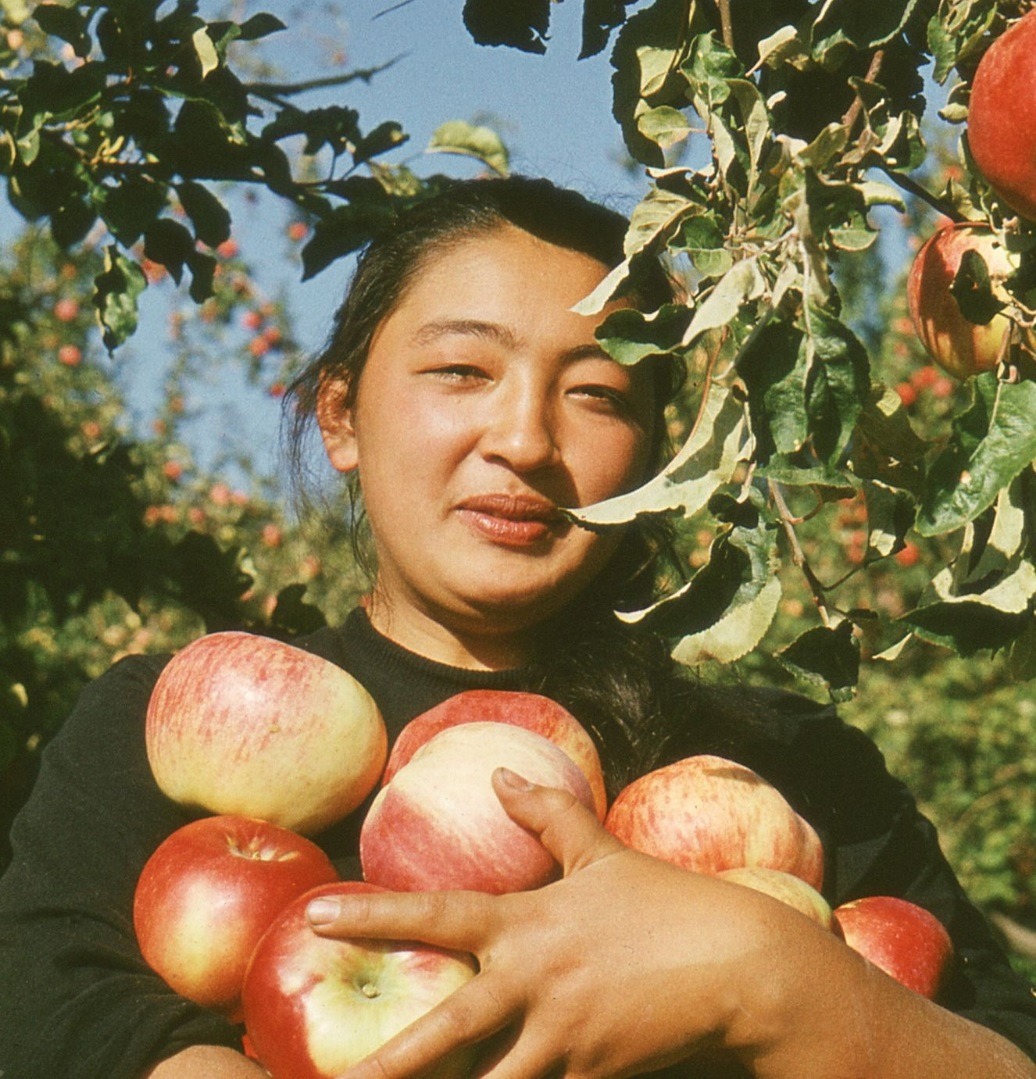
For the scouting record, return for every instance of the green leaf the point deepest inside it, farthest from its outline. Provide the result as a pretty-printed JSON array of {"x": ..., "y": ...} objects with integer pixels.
[
  {"x": 972, "y": 289},
  {"x": 991, "y": 444},
  {"x": 826, "y": 656},
  {"x": 736, "y": 633},
  {"x": 341, "y": 232},
  {"x": 210, "y": 218},
  {"x": 206, "y": 51},
  {"x": 470, "y": 140},
  {"x": 130, "y": 208},
  {"x": 630, "y": 336},
  {"x": 203, "y": 275},
  {"x": 65, "y": 23},
  {"x": 259, "y": 26},
  {"x": 167, "y": 242},
  {"x": 740, "y": 285},
  {"x": 522, "y": 24},
  {"x": 294, "y": 614},
  {"x": 664, "y": 126},
  {"x": 115, "y": 297},
  {"x": 383, "y": 138},
  {"x": 719, "y": 441}
]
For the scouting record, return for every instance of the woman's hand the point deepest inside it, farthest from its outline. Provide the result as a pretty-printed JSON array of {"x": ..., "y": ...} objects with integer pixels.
[{"x": 624, "y": 965}]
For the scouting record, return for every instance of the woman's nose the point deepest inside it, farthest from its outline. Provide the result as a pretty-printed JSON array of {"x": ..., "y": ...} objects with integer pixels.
[{"x": 520, "y": 430}]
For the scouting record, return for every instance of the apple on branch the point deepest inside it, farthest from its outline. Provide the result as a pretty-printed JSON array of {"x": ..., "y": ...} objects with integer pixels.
[
  {"x": 532, "y": 711},
  {"x": 906, "y": 941},
  {"x": 314, "y": 1006},
  {"x": 959, "y": 346},
  {"x": 243, "y": 724},
  {"x": 209, "y": 892},
  {"x": 1001, "y": 132},
  {"x": 438, "y": 823},
  {"x": 708, "y": 814}
]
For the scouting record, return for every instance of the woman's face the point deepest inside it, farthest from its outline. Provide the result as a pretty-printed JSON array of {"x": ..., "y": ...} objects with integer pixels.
[{"x": 484, "y": 406}]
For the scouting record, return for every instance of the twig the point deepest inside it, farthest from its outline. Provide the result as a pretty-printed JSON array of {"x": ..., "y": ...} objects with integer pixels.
[
  {"x": 726, "y": 23},
  {"x": 914, "y": 188},
  {"x": 798, "y": 556},
  {"x": 873, "y": 69},
  {"x": 271, "y": 90}
]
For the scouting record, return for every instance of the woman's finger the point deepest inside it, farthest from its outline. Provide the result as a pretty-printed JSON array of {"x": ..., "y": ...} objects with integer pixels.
[
  {"x": 460, "y": 921},
  {"x": 568, "y": 829},
  {"x": 464, "y": 1019}
]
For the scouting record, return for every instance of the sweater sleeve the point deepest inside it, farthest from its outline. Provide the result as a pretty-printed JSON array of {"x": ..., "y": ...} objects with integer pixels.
[
  {"x": 78, "y": 999},
  {"x": 879, "y": 843}
]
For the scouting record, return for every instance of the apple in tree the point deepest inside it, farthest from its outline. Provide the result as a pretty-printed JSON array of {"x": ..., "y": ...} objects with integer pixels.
[
  {"x": 707, "y": 814},
  {"x": 959, "y": 346},
  {"x": 783, "y": 886},
  {"x": 209, "y": 892},
  {"x": 314, "y": 1006},
  {"x": 438, "y": 823},
  {"x": 243, "y": 724},
  {"x": 1001, "y": 132},
  {"x": 906, "y": 941},
  {"x": 532, "y": 711}
]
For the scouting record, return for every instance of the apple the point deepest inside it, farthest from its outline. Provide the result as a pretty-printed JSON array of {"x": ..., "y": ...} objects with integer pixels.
[
  {"x": 532, "y": 711},
  {"x": 783, "y": 886},
  {"x": 1001, "y": 132},
  {"x": 906, "y": 941},
  {"x": 247, "y": 725},
  {"x": 438, "y": 824},
  {"x": 707, "y": 814},
  {"x": 960, "y": 347},
  {"x": 209, "y": 892},
  {"x": 314, "y": 1006}
]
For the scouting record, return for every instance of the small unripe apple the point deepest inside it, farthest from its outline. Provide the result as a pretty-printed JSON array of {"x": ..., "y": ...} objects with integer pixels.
[
  {"x": 1001, "y": 131},
  {"x": 959, "y": 346},
  {"x": 789, "y": 889}
]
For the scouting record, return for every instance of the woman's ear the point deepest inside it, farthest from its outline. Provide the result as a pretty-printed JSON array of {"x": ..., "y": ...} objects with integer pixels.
[{"x": 335, "y": 419}]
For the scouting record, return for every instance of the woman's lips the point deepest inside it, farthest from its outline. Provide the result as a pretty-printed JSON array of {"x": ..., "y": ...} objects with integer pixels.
[{"x": 511, "y": 520}]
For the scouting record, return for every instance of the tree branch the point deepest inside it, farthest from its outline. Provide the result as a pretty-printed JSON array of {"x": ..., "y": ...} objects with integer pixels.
[
  {"x": 272, "y": 90},
  {"x": 726, "y": 23},
  {"x": 912, "y": 187},
  {"x": 873, "y": 70}
]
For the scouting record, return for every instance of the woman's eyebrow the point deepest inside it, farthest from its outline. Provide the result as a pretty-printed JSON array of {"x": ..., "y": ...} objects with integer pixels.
[{"x": 430, "y": 332}]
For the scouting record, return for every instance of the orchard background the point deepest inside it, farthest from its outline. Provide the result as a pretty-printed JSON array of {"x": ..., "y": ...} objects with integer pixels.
[{"x": 853, "y": 521}]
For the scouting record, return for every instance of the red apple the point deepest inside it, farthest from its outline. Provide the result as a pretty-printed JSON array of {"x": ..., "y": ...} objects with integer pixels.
[
  {"x": 1001, "y": 131},
  {"x": 959, "y": 346},
  {"x": 906, "y": 941},
  {"x": 243, "y": 724},
  {"x": 532, "y": 711},
  {"x": 209, "y": 892},
  {"x": 783, "y": 886},
  {"x": 439, "y": 824},
  {"x": 707, "y": 814},
  {"x": 314, "y": 1006}
]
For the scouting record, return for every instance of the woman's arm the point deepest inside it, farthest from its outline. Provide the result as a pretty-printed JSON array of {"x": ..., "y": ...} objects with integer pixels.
[
  {"x": 207, "y": 1062},
  {"x": 629, "y": 964}
]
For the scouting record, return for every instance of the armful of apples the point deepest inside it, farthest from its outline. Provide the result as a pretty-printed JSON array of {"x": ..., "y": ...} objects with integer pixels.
[{"x": 554, "y": 932}]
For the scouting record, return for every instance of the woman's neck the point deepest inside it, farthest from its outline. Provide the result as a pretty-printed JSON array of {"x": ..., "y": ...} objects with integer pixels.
[{"x": 454, "y": 646}]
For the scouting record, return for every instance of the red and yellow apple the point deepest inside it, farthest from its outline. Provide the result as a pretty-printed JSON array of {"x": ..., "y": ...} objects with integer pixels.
[
  {"x": 532, "y": 711},
  {"x": 708, "y": 814},
  {"x": 438, "y": 823},
  {"x": 209, "y": 892},
  {"x": 906, "y": 941},
  {"x": 314, "y": 1006},
  {"x": 789, "y": 889},
  {"x": 247, "y": 725},
  {"x": 1001, "y": 131},
  {"x": 959, "y": 346}
]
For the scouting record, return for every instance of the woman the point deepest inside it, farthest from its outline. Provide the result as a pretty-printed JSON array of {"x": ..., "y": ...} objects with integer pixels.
[{"x": 471, "y": 405}]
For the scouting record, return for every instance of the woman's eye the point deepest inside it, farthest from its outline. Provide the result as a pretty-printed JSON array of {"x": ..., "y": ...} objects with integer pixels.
[
  {"x": 458, "y": 372},
  {"x": 604, "y": 396}
]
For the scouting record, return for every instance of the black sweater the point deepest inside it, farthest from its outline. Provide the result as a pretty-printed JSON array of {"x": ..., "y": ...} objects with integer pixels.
[{"x": 78, "y": 1001}]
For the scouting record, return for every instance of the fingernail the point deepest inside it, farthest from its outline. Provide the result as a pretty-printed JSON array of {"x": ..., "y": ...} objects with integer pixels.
[
  {"x": 322, "y": 911},
  {"x": 514, "y": 781}
]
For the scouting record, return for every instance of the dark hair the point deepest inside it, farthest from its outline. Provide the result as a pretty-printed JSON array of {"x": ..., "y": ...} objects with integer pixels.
[{"x": 384, "y": 269}]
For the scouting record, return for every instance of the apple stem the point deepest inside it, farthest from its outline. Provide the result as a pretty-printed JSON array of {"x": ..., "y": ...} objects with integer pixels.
[{"x": 369, "y": 990}]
